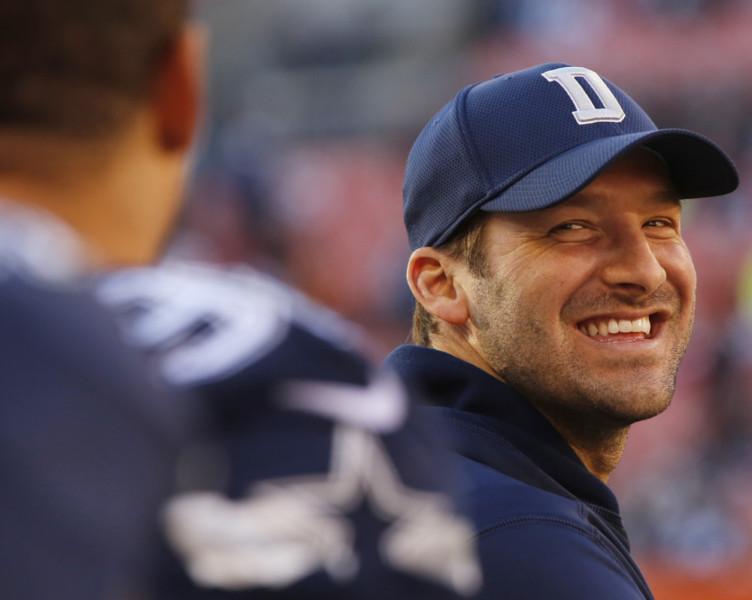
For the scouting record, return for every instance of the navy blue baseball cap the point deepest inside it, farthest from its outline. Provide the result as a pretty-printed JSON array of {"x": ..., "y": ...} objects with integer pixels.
[{"x": 527, "y": 140}]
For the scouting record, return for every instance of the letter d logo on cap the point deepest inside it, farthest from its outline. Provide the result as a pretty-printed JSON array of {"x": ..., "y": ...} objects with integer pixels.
[{"x": 586, "y": 112}]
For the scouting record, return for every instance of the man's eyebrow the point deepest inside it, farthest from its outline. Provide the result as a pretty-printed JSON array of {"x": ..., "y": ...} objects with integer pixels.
[{"x": 669, "y": 196}]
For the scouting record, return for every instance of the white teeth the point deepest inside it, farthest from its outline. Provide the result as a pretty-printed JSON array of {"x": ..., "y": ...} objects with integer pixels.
[
  {"x": 612, "y": 326},
  {"x": 642, "y": 325}
]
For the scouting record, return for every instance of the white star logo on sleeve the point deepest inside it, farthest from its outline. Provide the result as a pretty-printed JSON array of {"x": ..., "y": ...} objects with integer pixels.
[{"x": 289, "y": 528}]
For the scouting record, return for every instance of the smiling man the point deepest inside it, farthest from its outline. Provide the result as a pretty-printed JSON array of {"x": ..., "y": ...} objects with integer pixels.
[{"x": 555, "y": 300}]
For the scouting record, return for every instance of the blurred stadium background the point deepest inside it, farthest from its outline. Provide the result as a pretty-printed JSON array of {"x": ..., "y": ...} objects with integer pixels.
[{"x": 313, "y": 107}]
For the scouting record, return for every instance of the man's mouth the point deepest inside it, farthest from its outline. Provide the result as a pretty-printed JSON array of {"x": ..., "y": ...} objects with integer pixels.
[{"x": 605, "y": 327}]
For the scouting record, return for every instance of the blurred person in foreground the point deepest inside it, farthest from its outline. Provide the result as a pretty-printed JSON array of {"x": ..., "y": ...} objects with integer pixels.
[
  {"x": 555, "y": 300},
  {"x": 97, "y": 113},
  {"x": 304, "y": 477}
]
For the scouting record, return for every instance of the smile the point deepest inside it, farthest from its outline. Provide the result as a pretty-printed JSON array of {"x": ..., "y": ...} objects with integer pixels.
[{"x": 608, "y": 327}]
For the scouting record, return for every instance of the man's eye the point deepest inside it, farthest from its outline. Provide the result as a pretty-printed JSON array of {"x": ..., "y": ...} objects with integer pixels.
[
  {"x": 662, "y": 228},
  {"x": 569, "y": 227},
  {"x": 657, "y": 223},
  {"x": 572, "y": 231}
]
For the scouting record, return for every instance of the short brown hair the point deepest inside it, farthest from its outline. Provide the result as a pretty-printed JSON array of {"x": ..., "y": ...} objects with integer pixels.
[
  {"x": 80, "y": 67},
  {"x": 465, "y": 245}
]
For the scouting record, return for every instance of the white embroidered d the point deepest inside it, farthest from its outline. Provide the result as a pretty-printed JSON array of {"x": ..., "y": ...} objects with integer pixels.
[{"x": 586, "y": 113}]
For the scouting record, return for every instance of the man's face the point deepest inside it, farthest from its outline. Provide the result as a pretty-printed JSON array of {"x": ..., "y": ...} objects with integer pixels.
[{"x": 587, "y": 306}]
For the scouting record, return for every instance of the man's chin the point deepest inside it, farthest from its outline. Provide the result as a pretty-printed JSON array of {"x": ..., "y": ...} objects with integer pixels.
[{"x": 625, "y": 409}]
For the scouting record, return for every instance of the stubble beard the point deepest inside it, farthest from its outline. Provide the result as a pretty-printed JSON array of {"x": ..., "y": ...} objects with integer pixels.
[{"x": 520, "y": 349}]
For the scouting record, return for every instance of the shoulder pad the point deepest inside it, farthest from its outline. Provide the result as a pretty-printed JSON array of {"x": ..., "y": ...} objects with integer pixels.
[{"x": 208, "y": 323}]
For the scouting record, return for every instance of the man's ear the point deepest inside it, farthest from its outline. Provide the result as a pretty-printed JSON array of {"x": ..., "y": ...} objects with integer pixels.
[
  {"x": 431, "y": 277},
  {"x": 179, "y": 89}
]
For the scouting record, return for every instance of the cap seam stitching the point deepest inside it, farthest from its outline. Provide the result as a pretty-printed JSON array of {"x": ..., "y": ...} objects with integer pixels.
[{"x": 467, "y": 140}]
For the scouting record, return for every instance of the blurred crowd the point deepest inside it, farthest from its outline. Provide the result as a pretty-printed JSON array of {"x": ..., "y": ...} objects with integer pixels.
[{"x": 313, "y": 107}]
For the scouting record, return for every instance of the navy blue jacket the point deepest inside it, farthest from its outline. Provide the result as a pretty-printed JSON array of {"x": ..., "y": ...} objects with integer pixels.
[{"x": 546, "y": 527}]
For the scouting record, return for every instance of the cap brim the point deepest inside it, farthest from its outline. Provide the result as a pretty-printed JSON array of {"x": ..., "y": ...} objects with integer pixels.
[{"x": 697, "y": 167}]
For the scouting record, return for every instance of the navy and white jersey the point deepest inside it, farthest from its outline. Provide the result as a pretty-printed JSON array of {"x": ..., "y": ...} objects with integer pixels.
[
  {"x": 310, "y": 479},
  {"x": 87, "y": 439}
]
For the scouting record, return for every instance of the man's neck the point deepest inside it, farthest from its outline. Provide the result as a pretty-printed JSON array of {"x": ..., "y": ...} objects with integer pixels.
[
  {"x": 112, "y": 193},
  {"x": 599, "y": 447}
]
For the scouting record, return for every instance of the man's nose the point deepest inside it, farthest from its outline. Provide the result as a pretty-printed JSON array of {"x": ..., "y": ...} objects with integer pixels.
[{"x": 632, "y": 264}]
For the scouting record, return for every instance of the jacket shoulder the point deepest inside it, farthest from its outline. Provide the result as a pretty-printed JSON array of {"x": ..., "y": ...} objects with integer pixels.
[{"x": 533, "y": 543}]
